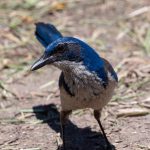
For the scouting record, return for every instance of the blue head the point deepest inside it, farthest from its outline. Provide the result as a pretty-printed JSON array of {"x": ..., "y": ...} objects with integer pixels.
[
  {"x": 71, "y": 50},
  {"x": 60, "y": 51}
]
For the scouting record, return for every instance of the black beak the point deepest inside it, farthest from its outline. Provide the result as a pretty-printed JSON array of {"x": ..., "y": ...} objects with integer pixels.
[{"x": 39, "y": 63}]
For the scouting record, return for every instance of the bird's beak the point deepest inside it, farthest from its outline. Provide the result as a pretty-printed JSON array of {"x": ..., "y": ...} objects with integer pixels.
[{"x": 40, "y": 63}]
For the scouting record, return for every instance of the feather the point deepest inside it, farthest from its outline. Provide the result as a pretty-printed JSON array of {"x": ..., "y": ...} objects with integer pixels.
[
  {"x": 109, "y": 68},
  {"x": 64, "y": 84},
  {"x": 46, "y": 33}
]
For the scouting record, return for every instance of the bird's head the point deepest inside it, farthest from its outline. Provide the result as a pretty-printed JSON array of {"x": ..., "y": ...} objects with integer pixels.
[{"x": 60, "y": 52}]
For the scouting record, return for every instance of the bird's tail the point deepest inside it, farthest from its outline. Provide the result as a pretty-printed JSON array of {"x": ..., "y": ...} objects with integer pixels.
[{"x": 46, "y": 33}]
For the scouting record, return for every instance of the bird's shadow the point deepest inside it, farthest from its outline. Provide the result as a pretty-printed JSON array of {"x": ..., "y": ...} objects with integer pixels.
[{"x": 76, "y": 138}]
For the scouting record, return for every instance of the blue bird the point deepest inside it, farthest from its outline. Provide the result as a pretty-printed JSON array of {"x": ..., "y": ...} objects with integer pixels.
[{"x": 86, "y": 81}]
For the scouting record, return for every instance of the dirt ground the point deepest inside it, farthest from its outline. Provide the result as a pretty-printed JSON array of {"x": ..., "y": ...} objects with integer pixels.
[{"x": 29, "y": 101}]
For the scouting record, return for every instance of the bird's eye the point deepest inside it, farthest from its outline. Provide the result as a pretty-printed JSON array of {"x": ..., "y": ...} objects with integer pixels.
[{"x": 60, "y": 48}]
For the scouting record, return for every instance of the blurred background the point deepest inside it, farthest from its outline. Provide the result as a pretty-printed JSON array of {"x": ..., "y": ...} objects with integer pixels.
[{"x": 29, "y": 102}]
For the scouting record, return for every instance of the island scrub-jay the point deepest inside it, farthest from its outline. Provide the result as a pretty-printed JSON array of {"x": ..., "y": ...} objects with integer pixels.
[{"x": 86, "y": 81}]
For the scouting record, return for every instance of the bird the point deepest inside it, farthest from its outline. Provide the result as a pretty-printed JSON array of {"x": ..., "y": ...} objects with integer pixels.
[{"x": 87, "y": 80}]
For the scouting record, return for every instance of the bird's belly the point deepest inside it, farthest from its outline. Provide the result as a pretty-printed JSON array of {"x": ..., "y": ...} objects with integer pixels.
[{"x": 83, "y": 99}]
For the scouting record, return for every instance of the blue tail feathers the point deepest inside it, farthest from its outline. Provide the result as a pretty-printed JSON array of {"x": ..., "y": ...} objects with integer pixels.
[{"x": 46, "y": 33}]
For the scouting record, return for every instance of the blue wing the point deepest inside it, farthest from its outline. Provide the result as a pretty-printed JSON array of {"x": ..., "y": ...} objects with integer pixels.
[
  {"x": 46, "y": 33},
  {"x": 102, "y": 72},
  {"x": 108, "y": 67}
]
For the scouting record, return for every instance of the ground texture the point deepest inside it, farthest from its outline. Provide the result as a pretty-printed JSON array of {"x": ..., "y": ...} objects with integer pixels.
[{"x": 29, "y": 102}]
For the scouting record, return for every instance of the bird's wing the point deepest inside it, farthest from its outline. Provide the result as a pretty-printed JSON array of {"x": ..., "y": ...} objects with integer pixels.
[
  {"x": 110, "y": 69},
  {"x": 46, "y": 33},
  {"x": 103, "y": 71},
  {"x": 63, "y": 84}
]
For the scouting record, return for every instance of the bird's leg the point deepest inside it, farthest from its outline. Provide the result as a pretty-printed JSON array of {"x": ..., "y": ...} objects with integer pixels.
[
  {"x": 63, "y": 118},
  {"x": 97, "y": 117}
]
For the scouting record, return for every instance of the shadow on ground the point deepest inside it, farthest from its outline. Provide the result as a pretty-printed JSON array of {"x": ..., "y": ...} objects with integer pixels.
[{"x": 76, "y": 138}]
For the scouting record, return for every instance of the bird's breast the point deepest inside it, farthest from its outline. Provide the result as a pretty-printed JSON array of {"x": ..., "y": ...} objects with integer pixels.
[{"x": 84, "y": 90}]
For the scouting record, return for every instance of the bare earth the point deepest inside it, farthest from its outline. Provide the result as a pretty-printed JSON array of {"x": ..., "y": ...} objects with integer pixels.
[{"x": 30, "y": 103}]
